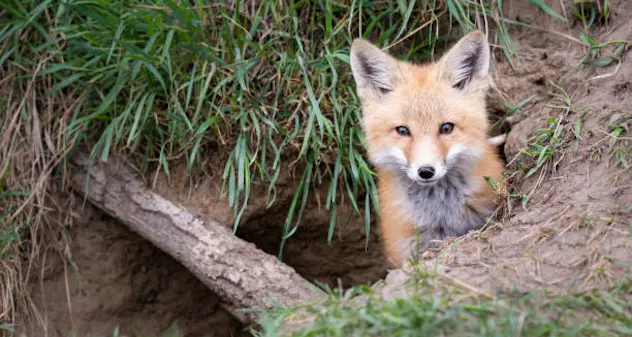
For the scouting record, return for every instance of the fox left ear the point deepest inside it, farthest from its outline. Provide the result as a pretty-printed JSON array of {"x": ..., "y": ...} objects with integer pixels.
[
  {"x": 467, "y": 62},
  {"x": 375, "y": 72}
]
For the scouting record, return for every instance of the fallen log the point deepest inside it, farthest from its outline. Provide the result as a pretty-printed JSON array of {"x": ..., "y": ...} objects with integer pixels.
[{"x": 244, "y": 276}]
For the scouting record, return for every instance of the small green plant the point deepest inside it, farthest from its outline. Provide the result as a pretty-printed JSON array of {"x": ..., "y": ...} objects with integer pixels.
[
  {"x": 620, "y": 146},
  {"x": 590, "y": 13},
  {"x": 596, "y": 56},
  {"x": 552, "y": 139},
  {"x": 521, "y": 197}
]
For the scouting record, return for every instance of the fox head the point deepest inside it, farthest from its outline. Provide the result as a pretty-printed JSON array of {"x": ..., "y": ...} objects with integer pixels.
[{"x": 422, "y": 121}]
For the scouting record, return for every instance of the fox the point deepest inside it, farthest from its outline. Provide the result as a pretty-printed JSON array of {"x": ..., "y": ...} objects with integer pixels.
[{"x": 426, "y": 132}]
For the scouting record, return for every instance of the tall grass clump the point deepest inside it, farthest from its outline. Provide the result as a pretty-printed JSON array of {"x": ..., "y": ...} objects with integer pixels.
[{"x": 261, "y": 85}]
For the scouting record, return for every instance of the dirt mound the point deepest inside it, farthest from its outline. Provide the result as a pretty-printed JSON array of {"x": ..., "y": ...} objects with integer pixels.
[{"x": 574, "y": 230}]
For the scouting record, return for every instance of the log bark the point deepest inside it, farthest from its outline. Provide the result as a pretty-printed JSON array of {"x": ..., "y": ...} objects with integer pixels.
[{"x": 241, "y": 274}]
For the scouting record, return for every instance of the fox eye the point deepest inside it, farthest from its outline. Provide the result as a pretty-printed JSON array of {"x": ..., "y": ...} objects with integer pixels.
[
  {"x": 402, "y": 131},
  {"x": 446, "y": 128}
]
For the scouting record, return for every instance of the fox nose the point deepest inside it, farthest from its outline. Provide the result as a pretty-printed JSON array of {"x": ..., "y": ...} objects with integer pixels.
[{"x": 426, "y": 172}]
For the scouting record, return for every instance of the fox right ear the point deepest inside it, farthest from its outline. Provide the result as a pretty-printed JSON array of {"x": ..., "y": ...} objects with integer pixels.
[
  {"x": 374, "y": 70},
  {"x": 467, "y": 62}
]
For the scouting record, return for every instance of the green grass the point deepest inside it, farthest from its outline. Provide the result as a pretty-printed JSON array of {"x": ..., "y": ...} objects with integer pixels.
[
  {"x": 437, "y": 307},
  {"x": 169, "y": 81},
  {"x": 591, "y": 12}
]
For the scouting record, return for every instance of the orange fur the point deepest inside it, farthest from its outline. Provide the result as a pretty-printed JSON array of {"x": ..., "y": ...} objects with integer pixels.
[{"x": 422, "y": 98}]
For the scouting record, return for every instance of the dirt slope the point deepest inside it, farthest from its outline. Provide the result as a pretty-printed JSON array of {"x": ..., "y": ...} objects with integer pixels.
[{"x": 575, "y": 230}]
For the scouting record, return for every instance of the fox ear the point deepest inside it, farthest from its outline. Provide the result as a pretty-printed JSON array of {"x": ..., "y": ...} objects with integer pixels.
[
  {"x": 466, "y": 62},
  {"x": 375, "y": 72}
]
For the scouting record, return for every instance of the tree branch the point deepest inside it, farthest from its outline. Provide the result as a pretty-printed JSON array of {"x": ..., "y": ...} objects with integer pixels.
[{"x": 241, "y": 274}]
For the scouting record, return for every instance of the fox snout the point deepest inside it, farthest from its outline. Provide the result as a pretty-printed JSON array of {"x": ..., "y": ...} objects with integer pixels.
[
  {"x": 426, "y": 163},
  {"x": 430, "y": 161},
  {"x": 426, "y": 172}
]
